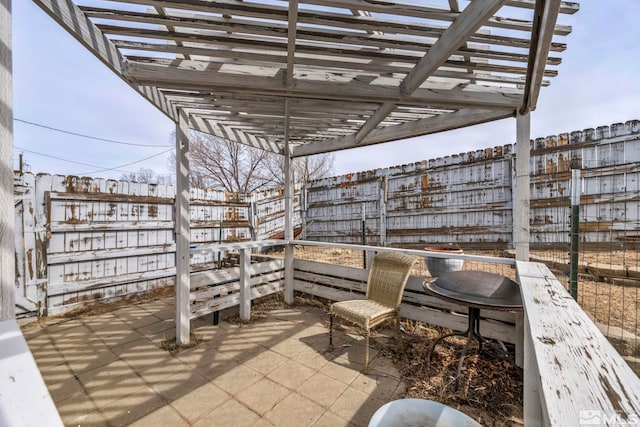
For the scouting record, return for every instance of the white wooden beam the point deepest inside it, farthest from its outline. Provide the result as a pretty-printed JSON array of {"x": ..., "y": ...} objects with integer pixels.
[
  {"x": 182, "y": 76},
  {"x": 472, "y": 17},
  {"x": 291, "y": 40},
  {"x": 71, "y": 18},
  {"x": 183, "y": 230},
  {"x": 543, "y": 45},
  {"x": 213, "y": 128},
  {"x": 467, "y": 23},
  {"x": 439, "y": 123},
  {"x": 522, "y": 193},
  {"x": 7, "y": 219}
]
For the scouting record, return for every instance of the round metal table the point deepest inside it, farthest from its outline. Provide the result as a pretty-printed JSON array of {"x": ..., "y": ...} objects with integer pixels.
[{"x": 476, "y": 290}]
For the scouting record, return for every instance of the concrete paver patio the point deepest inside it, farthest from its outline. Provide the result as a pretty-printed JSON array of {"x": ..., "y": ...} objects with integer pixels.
[{"x": 108, "y": 369}]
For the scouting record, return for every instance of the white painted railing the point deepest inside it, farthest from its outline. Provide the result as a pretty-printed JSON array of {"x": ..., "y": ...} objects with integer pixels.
[
  {"x": 213, "y": 291},
  {"x": 24, "y": 398},
  {"x": 572, "y": 374}
]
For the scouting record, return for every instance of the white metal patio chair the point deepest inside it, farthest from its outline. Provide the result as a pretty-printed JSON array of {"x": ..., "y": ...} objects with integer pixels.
[{"x": 387, "y": 279}]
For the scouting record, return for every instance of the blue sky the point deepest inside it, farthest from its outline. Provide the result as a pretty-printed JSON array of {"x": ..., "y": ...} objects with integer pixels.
[{"x": 58, "y": 83}]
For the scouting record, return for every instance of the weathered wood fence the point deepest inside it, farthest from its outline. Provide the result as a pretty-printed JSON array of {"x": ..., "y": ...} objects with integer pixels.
[
  {"x": 82, "y": 240},
  {"x": 466, "y": 199}
]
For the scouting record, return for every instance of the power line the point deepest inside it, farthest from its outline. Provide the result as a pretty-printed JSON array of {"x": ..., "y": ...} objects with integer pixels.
[
  {"x": 128, "y": 164},
  {"x": 96, "y": 138},
  {"x": 115, "y": 168},
  {"x": 58, "y": 158}
]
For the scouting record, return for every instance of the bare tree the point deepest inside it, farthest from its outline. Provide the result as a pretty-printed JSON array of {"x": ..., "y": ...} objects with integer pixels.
[
  {"x": 225, "y": 165},
  {"x": 305, "y": 169},
  {"x": 143, "y": 175}
]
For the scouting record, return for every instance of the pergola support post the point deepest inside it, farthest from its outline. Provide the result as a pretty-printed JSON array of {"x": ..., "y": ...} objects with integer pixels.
[
  {"x": 521, "y": 213},
  {"x": 245, "y": 284},
  {"x": 521, "y": 199},
  {"x": 183, "y": 230},
  {"x": 288, "y": 226},
  {"x": 7, "y": 220}
]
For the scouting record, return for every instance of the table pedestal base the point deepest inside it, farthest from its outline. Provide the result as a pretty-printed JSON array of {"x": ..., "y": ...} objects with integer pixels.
[{"x": 472, "y": 332}]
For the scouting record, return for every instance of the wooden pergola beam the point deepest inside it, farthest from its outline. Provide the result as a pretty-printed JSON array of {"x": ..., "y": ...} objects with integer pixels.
[
  {"x": 183, "y": 76},
  {"x": 467, "y": 23},
  {"x": 71, "y": 18},
  {"x": 458, "y": 119},
  {"x": 538, "y": 57}
]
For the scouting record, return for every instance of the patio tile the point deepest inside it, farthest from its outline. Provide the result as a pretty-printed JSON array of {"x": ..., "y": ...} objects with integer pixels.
[
  {"x": 158, "y": 326},
  {"x": 262, "y": 423},
  {"x": 265, "y": 361},
  {"x": 167, "y": 313},
  {"x": 200, "y": 401},
  {"x": 289, "y": 347},
  {"x": 47, "y": 357},
  {"x": 89, "y": 357},
  {"x": 163, "y": 417},
  {"x": 104, "y": 393},
  {"x": 356, "y": 406},
  {"x": 322, "y": 389},
  {"x": 64, "y": 389},
  {"x": 277, "y": 368},
  {"x": 262, "y": 396},
  {"x": 105, "y": 376},
  {"x": 239, "y": 350},
  {"x": 331, "y": 420},
  {"x": 77, "y": 408},
  {"x": 291, "y": 374},
  {"x": 345, "y": 374},
  {"x": 121, "y": 338},
  {"x": 177, "y": 385},
  {"x": 295, "y": 410},
  {"x": 138, "y": 319},
  {"x": 312, "y": 358},
  {"x": 132, "y": 407},
  {"x": 380, "y": 386},
  {"x": 236, "y": 379},
  {"x": 56, "y": 378},
  {"x": 231, "y": 413}
]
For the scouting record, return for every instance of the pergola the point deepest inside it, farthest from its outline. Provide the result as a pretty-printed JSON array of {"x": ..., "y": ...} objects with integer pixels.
[{"x": 305, "y": 77}]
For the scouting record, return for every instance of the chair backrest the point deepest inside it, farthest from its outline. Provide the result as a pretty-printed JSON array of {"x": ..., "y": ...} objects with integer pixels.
[{"x": 388, "y": 277}]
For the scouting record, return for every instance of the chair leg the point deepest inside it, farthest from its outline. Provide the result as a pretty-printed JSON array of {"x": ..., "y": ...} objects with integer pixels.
[
  {"x": 366, "y": 352},
  {"x": 330, "y": 332}
]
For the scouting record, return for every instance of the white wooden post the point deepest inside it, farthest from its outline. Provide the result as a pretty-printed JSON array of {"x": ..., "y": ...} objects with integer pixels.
[
  {"x": 7, "y": 219},
  {"x": 288, "y": 226},
  {"x": 521, "y": 199},
  {"x": 183, "y": 229},
  {"x": 245, "y": 284},
  {"x": 521, "y": 215}
]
